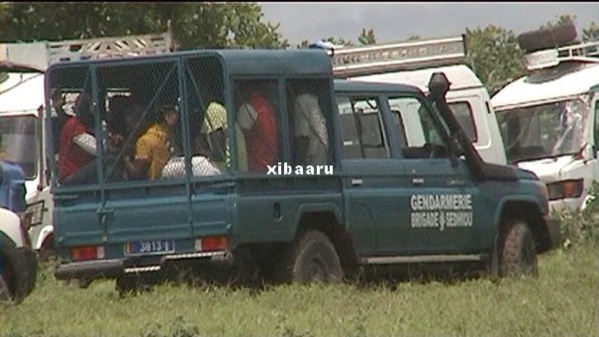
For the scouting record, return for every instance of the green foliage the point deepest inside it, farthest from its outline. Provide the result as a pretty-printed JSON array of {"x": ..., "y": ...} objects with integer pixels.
[
  {"x": 195, "y": 24},
  {"x": 367, "y": 37},
  {"x": 590, "y": 33},
  {"x": 495, "y": 56},
  {"x": 561, "y": 302},
  {"x": 413, "y": 37},
  {"x": 580, "y": 228},
  {"x": 559, "y": 20}
]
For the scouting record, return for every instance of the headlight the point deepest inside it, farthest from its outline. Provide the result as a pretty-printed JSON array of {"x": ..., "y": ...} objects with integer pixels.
[
  {"x": 542, "y": 190},
  {"x": 565, "y": 189}
]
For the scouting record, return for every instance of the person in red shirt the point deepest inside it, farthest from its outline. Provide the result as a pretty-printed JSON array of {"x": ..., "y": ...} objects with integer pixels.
[
  {"x": 256, "y": 117},
  {"x": 77, "y": 145}
]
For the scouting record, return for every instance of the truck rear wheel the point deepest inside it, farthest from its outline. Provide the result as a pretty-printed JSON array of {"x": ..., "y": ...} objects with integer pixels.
[
  {"x": 5, "y": 297},
  {"x": 312, "y": 259},
  {"x": 517, "y": 251}
]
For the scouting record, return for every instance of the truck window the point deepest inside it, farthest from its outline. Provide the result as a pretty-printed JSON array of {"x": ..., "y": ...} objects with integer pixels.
[
  {"x": 309, "y": 118},
  {"x": 421, "y": 133},
  {"x": 463, "y": 112},
  {"x": 18, "y": 142},
  {"x": 257, "y": 107},
  {"x": 362, "y": 128}
]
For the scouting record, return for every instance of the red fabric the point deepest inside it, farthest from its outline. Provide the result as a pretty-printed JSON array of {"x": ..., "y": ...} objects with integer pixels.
[
  {"x": 70, "y": 156},
  {"x": 262, "y": 139}
]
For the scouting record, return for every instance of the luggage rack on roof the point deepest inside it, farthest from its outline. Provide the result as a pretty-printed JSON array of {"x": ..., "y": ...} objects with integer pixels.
[
  {"x": 548, "y": 58},
  {"x": 398, "y": 56},
  {"x": 40, "y": 55}
]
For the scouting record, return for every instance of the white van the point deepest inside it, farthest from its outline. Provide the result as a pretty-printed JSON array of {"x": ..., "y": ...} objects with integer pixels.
[
  {"x": 549, "y": 120},
  {"x": 22, "y": 68},
  {"x": 414, "y": 63}
]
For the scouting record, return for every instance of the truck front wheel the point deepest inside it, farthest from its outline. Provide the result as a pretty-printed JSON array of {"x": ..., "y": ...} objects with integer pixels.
[
  {"x": 517, "y": 251},
  {"x": 312, "y": 259}
]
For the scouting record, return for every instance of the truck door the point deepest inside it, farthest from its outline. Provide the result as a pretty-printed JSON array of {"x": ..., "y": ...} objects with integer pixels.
[
  {"x": 372, "y": 178},
  {"x": 439, "y": 199},
  {"x": 149, "y": 213}
]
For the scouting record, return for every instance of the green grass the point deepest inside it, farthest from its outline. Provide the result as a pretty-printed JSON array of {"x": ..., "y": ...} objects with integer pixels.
[{"x": 561, "y": 302}]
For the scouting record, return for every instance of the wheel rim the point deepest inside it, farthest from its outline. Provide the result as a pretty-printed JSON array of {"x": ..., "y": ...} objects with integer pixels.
[{"x": 317, "y": 270}]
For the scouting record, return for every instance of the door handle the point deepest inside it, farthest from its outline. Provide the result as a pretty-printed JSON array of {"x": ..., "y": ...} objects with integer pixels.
[
  {"x": 103, "y": 213},
  {"x": 457, "y": 182},
  {"x": 418, "y": 181},
  {"x": 357, "y": 182}
]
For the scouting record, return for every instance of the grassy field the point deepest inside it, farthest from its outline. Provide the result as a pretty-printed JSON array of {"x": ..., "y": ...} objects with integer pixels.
[{"x": 561, "y": 302}]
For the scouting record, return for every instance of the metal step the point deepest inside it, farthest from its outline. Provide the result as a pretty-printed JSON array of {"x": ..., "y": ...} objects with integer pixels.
[{"x": 423, "y": 259}]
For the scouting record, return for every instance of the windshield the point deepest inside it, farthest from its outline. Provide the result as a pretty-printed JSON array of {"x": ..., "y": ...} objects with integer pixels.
[
  {"x": 18, "y": 142},
  {"x": 542, "y": 131}
]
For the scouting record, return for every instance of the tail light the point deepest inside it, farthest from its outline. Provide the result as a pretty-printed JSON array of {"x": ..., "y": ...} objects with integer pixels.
[
  {"x": 86, "y": 253},
  {"x": 211, "y": 244}
]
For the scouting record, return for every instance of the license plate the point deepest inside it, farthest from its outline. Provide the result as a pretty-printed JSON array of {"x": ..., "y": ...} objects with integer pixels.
[{"x": 149, "y": 247}]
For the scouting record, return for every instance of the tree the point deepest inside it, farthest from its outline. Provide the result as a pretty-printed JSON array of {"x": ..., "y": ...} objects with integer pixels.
[
  {"x": 413, "y": 37},
  {"x": 195, "y": 24},
  {"x": 591, "y": 33},
  {"x": 367, "y": 37},
  {"x": 559, "y": 20},
  {"x": 494, "y": 55}
]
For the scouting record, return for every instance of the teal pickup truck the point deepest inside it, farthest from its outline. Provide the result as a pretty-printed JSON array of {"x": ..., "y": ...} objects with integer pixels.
[{"x": 262, "y": 159}]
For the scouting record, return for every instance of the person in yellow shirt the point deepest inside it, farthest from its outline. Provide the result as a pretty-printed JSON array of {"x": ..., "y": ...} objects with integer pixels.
[
  {"x": 213, "y": 135},
  {"x": 154, "y": 148}
]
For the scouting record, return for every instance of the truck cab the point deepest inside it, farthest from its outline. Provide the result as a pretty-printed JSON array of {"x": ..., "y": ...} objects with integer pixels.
[
  {"x": 414, "y": 63},
  {"x": 261, "y": 159},
  {"x": 549, "y": 121}
]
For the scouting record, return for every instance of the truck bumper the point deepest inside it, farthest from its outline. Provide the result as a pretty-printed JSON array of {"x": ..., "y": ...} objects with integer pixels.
[
  {"x": 88, "y": 271},
  {"x": 553, "y": 224}
]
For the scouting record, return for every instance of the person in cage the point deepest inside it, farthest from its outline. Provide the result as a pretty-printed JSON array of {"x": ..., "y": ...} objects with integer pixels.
[
  {"x": 256, "y": 118},
  {"x": 310, "y": 130},
  {"x": 156, "y": 146},
  {"x": 77, "y": 145}
]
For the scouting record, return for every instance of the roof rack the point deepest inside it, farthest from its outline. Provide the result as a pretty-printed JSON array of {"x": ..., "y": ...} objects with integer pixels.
[
  {"x": 398, "y": 56},
  {"x": 548, "y": 58},
  {"x": 40, "y": 55}
]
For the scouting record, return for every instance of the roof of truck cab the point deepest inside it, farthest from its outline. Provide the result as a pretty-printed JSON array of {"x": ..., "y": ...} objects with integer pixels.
[
  {"x": 21, "y": 93},
  {"x": 353, "y": 86},
  {"x": 241, "y": 61},
  {"x": 460, "y": 76},
  {"x": 562, "y": 82}
]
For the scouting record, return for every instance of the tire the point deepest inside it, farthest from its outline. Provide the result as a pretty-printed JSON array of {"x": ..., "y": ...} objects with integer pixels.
[
  {"x": 312, "y": 259},
  {"x": 131, "y": 284},
  {"x": 19, "y": 271},
  {"x": 5, "y": 296},
  {"x": 547, "y": 38},
  {"x": 517, "y": 251}
]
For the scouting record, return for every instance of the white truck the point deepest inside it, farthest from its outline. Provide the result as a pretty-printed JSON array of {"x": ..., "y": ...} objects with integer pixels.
[
  {"x": 22, "y": 67},
  {"x": 414, "y": 63},
  {"x": 549, "y": 120}
]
